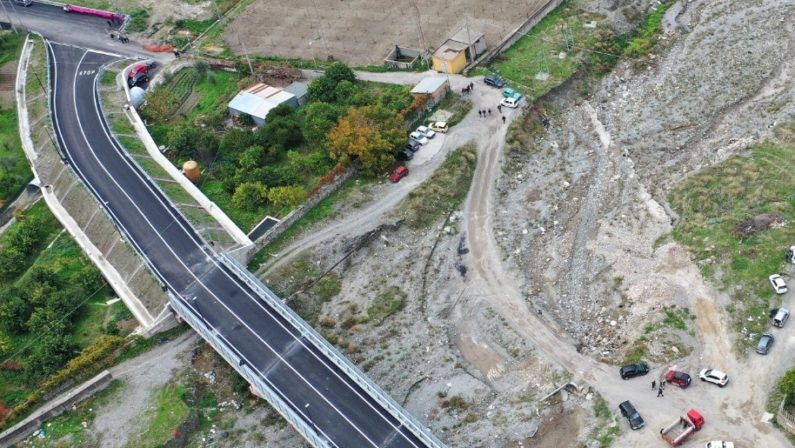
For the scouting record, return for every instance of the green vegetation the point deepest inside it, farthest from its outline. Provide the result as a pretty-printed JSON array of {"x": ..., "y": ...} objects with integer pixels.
[
  {"x": 443, "y": 192},
  {"x": 139, "y": 20},
  {"x": 638, "y": 351},
  {"x": 14, "y": 171},
  {"x": 52, "y": 303},
  {"x": 607, "y": 429},
  {"x": 164, "y": 417},
  {"x": 270, "y": 170},
  {"x": 731, "y": 219},
  {"x": 561, "y": 32},
  {"x": 644, "y": 38},
  {"x": 386, "y": 304}
]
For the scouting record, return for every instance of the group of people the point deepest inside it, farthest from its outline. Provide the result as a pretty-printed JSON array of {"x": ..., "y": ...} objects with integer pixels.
[
  {"x": 487, "y": 113},
  {"x": 468, "y": 89},
  {"x": 122, "y": 39}
]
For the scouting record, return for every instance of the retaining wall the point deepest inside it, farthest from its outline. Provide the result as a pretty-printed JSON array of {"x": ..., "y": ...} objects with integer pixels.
[{"x": 54, "y": 408}]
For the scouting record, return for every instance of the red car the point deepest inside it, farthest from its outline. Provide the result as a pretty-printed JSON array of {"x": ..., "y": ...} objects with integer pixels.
[
  {"x": 681, "y": 379},
  {"x": 399, "y": 173}
]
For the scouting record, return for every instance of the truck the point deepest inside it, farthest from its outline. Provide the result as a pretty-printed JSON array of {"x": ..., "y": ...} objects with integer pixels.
[
  {"x": 682, "y": 428},
  {"x": 94, "y": 12}
]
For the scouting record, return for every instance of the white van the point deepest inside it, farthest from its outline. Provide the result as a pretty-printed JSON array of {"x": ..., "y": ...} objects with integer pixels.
[
  {"x": 24, "y": 2},
  {"x": 513, "y": 103},
  {"x": 781, "y": 317}
]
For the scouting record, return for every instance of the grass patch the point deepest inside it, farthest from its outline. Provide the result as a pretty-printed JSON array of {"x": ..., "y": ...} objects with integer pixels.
[
  {"x": 323, "y": 210},
  {"x": 166, "y": 415},
  {"x": 443, "y": 192},
  {"x": 327, "y": 287},
  {"x": 139, "y": 20},
  {"x": 458, "y": 106},
  {"x": 638, "y": 352},
  {"x": 562, "y": 31},
  {"x": 607, "y": 429},
  {"x": 716, "y": 207},
  {"x": 386, "y": 304},
  {"x": 645, "y": 38}
]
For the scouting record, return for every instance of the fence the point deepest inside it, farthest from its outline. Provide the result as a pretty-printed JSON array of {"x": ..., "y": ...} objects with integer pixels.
[{"x": 785, "y": 418}]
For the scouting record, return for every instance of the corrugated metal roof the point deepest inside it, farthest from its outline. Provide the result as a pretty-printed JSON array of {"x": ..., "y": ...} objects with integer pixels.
[
  {"x": 298, "y": 89},
  {"x": 259, "y": 99},
  {"x": 429, "y": 84},
  {"x": 467, "y": 36}
]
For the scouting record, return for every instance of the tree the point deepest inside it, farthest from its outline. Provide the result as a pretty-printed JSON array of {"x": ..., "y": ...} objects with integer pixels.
[
  {"x": 250, "y": 195},
  {"x": 12, "y": 262},
  {"x": 233, "y": 143},
  {"x": 369, "y": 134},
  {"x": 160, "y": 104},
  {"x": 340, "y": 72},
  {"x": 193, "y": 142},
  {"x": 344, "y": 91},
  {"x": 49, "y": 355},
  {"x": 46, "y": 320},
  {"x": 15, "y": 311},
  {"x": 282, "y": 129},
  {"x": 290, "y": 196},
  {"x": 323, "y": 88},
  {"x": 319, "y": 118}
]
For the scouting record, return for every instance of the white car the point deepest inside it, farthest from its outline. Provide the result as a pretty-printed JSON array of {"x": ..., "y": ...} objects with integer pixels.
[
  {"x": 419, "y": 138},
  {"x": 513, "y": 103},
  {"x": 715, "y": 377},
  {"x": 426, "y": 132},
  {"x": 778, "y": 284},
  {"x": 719, "y": 444}
]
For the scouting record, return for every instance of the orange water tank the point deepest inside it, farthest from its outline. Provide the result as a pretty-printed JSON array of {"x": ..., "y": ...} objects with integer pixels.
[{"x": 191, "y": 170}]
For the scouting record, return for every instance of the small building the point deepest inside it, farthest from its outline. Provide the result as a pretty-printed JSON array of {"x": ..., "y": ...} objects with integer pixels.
[
  {"x": 404, "y": 58},
  {"x": 300, "y": 90},
  {"x": 434, "y": 86},
  {"x": 258, "y": 100},
  {"x": 458, "y": 51}
]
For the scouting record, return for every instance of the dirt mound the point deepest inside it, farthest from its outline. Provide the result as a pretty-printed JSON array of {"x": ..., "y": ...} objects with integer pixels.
[{"x": 758, "y": 223}]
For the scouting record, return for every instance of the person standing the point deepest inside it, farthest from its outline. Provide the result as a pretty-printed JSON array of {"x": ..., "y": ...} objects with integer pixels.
[
  {"x": 503, "y": 119},
  {"x": 653, "y": 384},
  {"x": 660, "y": 392}
]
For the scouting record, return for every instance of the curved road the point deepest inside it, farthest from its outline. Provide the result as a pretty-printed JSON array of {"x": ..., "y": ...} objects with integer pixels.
[{"x": 316, "y": 389}]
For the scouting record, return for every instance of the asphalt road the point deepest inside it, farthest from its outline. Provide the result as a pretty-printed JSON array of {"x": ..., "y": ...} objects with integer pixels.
[
  {"x": 84, "y": 31},
  {"x": 314, "y": 387}
]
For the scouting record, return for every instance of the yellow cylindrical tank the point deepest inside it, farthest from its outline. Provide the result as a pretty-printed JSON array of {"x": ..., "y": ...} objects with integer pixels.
[{"x": 191, "y": 170}]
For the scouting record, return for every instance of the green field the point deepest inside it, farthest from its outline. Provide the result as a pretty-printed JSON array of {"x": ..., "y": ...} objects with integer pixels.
[{"x": 734, "y": 218}]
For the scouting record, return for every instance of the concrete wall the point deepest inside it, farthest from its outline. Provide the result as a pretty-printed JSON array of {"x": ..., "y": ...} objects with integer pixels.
[
  {"x": 81, "y": 214},
  {"x": 54, "y": 408}
]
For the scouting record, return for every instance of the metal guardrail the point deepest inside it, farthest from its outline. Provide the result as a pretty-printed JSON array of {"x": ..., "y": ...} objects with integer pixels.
[
  {"x": 235, "y": 360},
  {"x": 342, "y": 362}
]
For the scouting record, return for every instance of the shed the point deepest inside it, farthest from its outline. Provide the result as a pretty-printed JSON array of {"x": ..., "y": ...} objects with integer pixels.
[
  {"x": 300, "y": 90},
  {"x": 258, "y": 100},
  {"x": 459, "y": 50},
  {"x": 435, "y": 86}
]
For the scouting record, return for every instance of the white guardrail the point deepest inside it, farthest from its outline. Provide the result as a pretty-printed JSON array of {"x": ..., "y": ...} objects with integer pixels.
[
  {"x": 235, "y": 360},
  {"x": 342, "y": 362}
]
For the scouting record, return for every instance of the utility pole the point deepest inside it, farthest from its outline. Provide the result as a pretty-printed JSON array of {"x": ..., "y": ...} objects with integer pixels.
[
  {"x": 250, "y": 67},
  {"x": 419, "y": 26}
]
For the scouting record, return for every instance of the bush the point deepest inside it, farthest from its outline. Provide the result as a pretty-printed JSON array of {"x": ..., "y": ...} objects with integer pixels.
[
  {"x": 290, "y": 196},
  {"x": 250, "y": 196}
]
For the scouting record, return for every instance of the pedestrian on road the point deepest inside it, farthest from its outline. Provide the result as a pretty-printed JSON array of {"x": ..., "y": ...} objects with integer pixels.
[
  {"x": 471, "y": 86},
  {"x": 503, "y": 119},
  {"x": 489, "y": 112},
  {"x": 109, "y": 24},
  {"x": 499, "y": 108},
  {"x": 480, "y": 113},
  {"x": 659, "y": 392},
  {"x": 653, "y": 384}
]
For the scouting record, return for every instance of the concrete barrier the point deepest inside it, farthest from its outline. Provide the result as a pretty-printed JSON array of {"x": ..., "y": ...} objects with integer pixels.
[{"x": 54, "y": 408}]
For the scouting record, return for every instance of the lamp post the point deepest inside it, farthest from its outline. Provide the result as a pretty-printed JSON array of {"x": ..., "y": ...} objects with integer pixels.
[{"x": 314, "y": 59}]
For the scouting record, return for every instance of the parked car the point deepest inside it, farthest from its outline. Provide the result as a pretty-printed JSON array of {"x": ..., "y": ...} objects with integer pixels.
[
  {"x": 24, "y": 2},
  {"x": 494, "y": 81},
  {"x": 405, "y": 154},
  {"x": 778, "y": 284},
  {"x": 419, "y": 138},
  {"x": 426, "y": 132},
  {"x": 719, "y": 444},
  {"x": 765, "y": 342},
  {"x": 510, "y": 93},
  {"x": 681, "y": 379},
  {"x": 632, "y": 415},
  {"x": 633, "y": 370},
  {"x": 439, "y": 126},
  {"x": 513, "y": 103},
  {"x": 413, "y": 146},
  {"x": 399, "y": 173},
  {"x": 714, "y": 376},
  {"x": 781, "y": 317}
]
